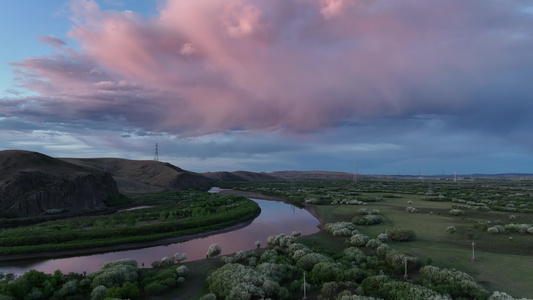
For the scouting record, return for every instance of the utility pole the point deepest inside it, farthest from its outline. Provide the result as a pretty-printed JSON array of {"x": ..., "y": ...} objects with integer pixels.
[
  {"x": 405, "y": 276},
  {"x": 305, "y": 292},
  {"x": 473, "y": 255}
]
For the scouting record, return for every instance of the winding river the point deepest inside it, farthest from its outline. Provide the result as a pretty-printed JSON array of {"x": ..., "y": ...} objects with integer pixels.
[{"x": 275, "y": 218}]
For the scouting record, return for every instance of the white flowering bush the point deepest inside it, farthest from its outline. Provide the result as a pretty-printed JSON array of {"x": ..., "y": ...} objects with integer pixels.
[
  {"x": 411, "y": 209},
  {"x": 383, "y": 237},
  {"x": 214, "y": 250},
  {"x": 240, "y": 255},
  {"x": 280, "y": 240},
  {"x": 296, "y": 233},
  {"x": 235, "y": 281},
  {"x": 312, "y": 201},
  {"x": 456, "y": 212},
  {"x": 258, "y": 244},
  {"x": 367, "y": 220},
  {"x": 373, "y": 243},
  {"x": 341, "y": 228},
  {"x": 269, "y": 256},
  {"x": 116, "y": 273},
  {"x": 210, "y": 296},
  {"x": 98, "y": 292},
  {"x": 348, "y": 202},
  {"x": 457, "y": 283},
  {"x": 326, "y": 271},
  {"x": 387, "y": 288},
  {"x": 179, "y": 257},
  {"x": 503, "y": 296},
  {"x": 366, "y": 211},
  {"x": 354, "y": 254},
  {"x": 359, "y": 240},
  {"x": 308, "y": 261},
  {"x": 275, "y": 271},
  {"x": 496, "y": 229},
  {"x": 521, "y": 228},
  {"x": 400, "y": 234},
  {"x": 382, "y": 250},
  {"x": 396, "y": 260},
  {"x": 182, "y": 271},
  {"x": 451, "y": 229}
]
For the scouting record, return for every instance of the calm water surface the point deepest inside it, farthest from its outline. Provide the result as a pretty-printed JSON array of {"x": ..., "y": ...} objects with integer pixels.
[{"x": 276, "y": 217}]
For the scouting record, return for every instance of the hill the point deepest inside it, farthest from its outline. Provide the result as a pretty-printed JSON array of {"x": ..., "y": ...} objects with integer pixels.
[
  {"x": 140, "y": 176},
  {"x": 32, "y": 183},
  {"x": 313, "y": 175}
]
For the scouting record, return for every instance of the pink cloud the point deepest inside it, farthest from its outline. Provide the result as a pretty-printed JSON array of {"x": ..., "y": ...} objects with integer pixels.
[{"x": 209, "y": 66}]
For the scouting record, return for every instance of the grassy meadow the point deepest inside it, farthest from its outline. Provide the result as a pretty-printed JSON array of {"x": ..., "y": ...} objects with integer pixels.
[{"x": 503, "y": 261}]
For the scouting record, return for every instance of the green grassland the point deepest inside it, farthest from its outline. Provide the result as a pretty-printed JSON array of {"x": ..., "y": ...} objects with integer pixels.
[{"x": 503, "y": 262}]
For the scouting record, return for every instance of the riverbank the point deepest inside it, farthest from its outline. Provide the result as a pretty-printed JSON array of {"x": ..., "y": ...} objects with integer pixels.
[
  {"x": 131, "y": 246},
  {"x": 310, "y": 208}
]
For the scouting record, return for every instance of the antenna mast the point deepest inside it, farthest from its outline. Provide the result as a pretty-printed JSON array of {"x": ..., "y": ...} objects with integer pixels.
[{"x": 156, "y": 154}]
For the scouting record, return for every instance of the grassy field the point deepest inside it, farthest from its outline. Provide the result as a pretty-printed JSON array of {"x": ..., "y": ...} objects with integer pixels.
[{"x": 496, "y": 267}]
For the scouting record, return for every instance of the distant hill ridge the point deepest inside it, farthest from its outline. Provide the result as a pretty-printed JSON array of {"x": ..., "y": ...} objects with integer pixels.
[{"x": 32, "y": 183}]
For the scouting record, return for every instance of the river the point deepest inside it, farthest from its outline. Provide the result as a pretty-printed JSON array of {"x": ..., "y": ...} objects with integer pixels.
[{"x": 275, "y": 218}]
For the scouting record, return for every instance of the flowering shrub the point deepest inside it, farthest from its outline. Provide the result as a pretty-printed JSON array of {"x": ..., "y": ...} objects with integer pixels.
[
  {"x": 387, "y": 288},
  {"x": 382, "y": 250},
  {"x": 258, "y": 244},
  {"x": 308, "y": 261},
  {"x": 116, "y": 273},
  {"x": 400, "y": 235},
  {"x": 502, "y": 296},
  {"x": 341, "y": 228},
  {"x": 383, "y": 237},
  {"x": 373, "y": 243},
  {"x": 456, "y": 212},
  {"x": 269, "y": 256},
  {"x": 496, "y": 229},
  {"x": 179, "y": 257},
  {"x": 367, "y": 220},
  {"x": 349, "y": 202},
  {"x": 326, "y": 271},
  {"x": 312, "y": 201},
  {"x": 451, "y": 229},
  {"x": 410, "y": 209},
  {"x": 521, "y": 228},
  {"x": 359, "y": 240},
  {"x": 214, "y": 250},
  {"x": 280, "y": 240},
  {"x": 276, "y": 272},
  {"x": 457, "y": 283},
  {"x": 182, "y": 271},
  {"x": 235, "y": 279},
  {"x": 354, "y": 254},
  {"x": 396, "y": 260}
]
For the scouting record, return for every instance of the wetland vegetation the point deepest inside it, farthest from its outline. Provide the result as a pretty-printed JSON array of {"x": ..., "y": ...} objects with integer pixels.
[{"x": 372, "y": 229}]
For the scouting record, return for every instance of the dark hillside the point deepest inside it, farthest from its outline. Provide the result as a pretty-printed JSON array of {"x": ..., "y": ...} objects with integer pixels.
[
  {"x": 139, "y": 176},
  {"x": 32, "y": 183}
]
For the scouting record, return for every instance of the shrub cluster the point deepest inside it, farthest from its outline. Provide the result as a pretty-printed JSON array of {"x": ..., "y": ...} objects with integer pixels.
[
  {"x": 341, "y": 228},
  {"x": 400, "y": 235},
  {"x": 367, "y": 220},
  {"x": 455, "y": 283}
]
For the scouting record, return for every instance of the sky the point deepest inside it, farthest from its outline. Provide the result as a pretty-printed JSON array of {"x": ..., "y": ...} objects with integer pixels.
[{"x": 396, "y": 87}]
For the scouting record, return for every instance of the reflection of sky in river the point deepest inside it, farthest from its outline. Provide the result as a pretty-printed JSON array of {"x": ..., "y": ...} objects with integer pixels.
[{"x": 275, "y": 218}]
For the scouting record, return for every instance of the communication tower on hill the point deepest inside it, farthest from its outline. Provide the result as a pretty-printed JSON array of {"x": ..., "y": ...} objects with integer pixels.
[{"x": 156, "y": 154}]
